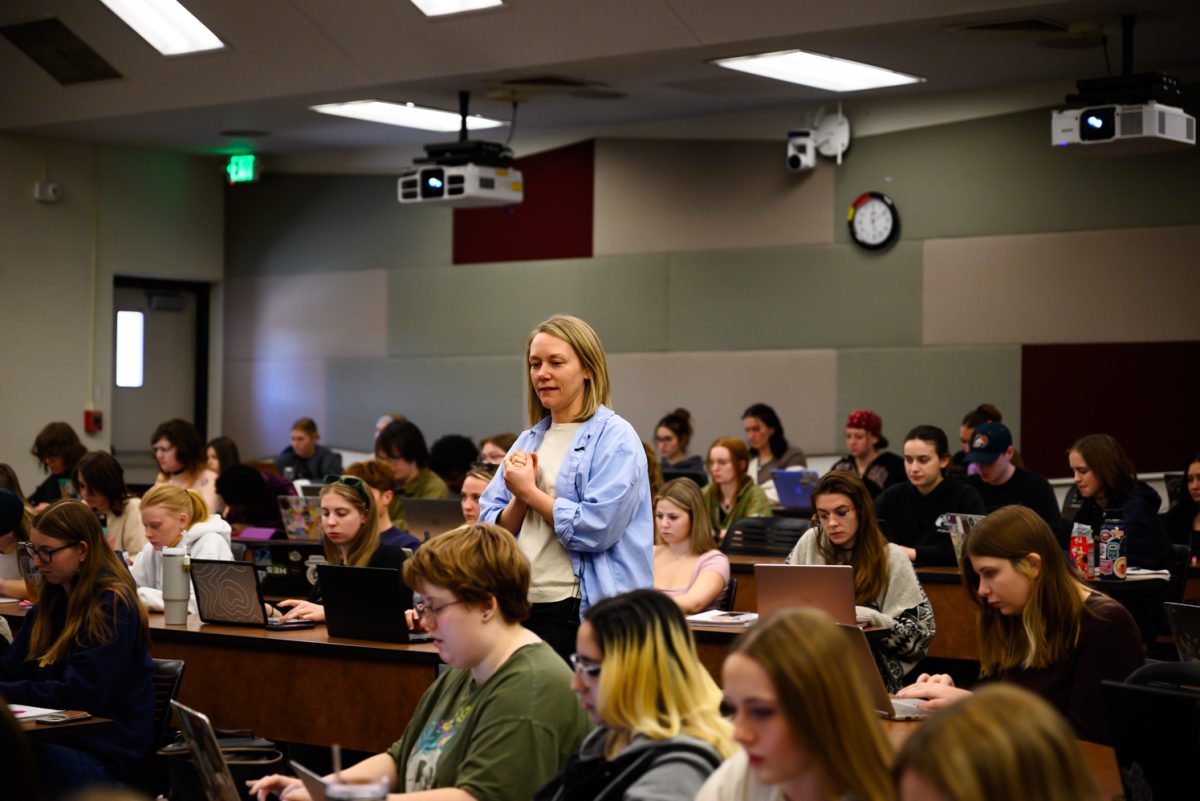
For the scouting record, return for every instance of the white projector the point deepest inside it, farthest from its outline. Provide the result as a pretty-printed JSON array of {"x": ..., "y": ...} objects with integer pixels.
[
  {"x": 1118, "y": 129},
  {"x": 461, "y": 186}
]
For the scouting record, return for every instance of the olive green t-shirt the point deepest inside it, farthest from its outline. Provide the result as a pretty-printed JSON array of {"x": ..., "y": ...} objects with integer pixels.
[
  {"x": 500, "y": 740},
  {"x": 425, "y": 484}
]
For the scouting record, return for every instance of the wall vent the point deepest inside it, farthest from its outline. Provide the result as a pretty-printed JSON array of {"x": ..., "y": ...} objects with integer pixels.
[{"x": 57, "y": 50}]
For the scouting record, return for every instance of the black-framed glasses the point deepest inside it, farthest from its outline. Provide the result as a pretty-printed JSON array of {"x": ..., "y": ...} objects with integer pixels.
[
  {"x": 353, "y": 482},
  {"x": 428, "y": 613},
  {"x": 44, "y": 554},
  {"x": 581, "y": 664}
]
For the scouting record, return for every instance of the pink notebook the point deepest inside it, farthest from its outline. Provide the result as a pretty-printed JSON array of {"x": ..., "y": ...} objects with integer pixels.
[{"x": 251, "y": 533}]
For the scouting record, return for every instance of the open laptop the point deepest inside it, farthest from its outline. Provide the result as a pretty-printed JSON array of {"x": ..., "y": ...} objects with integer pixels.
[
  {"x": 1156, "y": 735},
  {"x": 286, "y": 564},
  {"x": 887, "y": 706},
  {"x": 795, "y": 487},
  {"x": 829, "y": 588},
  {"x": 228, "y": 593},
  {"x": 215, "y": 779},
  {"x": 301, "y": 517},
  {"x": 428, "y": 517},
  {"x": 314, "y": 784},
  {"x": 1185, "y": 630},
  {"x": 671, "y": 473},
  {"x": 959, "y": 525},
  {"x": 365, "y": 603}
]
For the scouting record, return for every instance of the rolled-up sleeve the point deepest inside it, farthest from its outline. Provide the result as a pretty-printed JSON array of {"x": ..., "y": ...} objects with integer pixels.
[{"x": 609, "y": 492}]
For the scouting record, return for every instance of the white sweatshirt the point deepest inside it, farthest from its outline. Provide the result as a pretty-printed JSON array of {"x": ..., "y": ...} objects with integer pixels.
[{"x": 206, "y": 540}]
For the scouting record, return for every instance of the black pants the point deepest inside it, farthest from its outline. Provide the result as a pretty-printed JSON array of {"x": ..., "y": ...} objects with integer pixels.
[{"x": 556, "y": 623}]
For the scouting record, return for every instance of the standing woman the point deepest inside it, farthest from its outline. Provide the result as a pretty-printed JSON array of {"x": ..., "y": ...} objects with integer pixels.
[
  {"x": 176, "y": 518},
  {"x": 688, "y": 567},
  {"x": 84, "y": 645},
  {"x": 182, "y": 460},
  {"x": 802, "y": 716},
  {"x": 574, "y": 486},
  {"x": 886, "y": 591},
  {"x": 351, "y": 521},
  {"x": 672, "y": 435},
  {"x": 101, "y": 484},
  {"x": 57, "y": 449},
  {"x": 732, "y": 493},
  {"x": 768, "y": 446},
  {"x": 867, "y": 455}
]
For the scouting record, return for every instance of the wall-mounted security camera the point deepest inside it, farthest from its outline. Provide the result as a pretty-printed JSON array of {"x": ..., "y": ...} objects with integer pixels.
[{"x": 801, "y": 150}]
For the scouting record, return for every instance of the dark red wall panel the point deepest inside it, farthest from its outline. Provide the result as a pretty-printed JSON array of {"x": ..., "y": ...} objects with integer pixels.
[
  {"x": 553, "y": 222},
  {"x": 1141, "y": 393}
]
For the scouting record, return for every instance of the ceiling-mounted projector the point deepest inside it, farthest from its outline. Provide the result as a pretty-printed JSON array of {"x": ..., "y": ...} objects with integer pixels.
[{"x": 1142, "y": 128}]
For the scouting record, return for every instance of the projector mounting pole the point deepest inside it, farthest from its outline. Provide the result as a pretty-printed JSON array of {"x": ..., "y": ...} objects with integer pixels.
[
  {"x": 464, "y": 102},
  {"x": 1127, "y": 44}
]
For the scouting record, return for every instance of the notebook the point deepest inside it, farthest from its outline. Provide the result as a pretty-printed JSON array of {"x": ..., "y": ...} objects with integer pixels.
[
  {"x": 1185, "y": 630},
  {"x": 365, "y": 603},
  {"x": 795, "y": 487},
  {"x": 228, "y": 593},
  {"x": 428, "y": 517},
  {"x": 887, "y": 706},
  {"x": 197, "y": 731},
  {"x": 829, "y": 588}
]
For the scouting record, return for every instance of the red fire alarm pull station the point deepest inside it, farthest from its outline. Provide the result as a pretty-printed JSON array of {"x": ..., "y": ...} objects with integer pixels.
[{"x": 93, "y": 421}]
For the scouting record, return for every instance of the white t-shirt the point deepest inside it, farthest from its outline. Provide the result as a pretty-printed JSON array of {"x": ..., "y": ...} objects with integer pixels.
[{"x": 553, "y": 578}]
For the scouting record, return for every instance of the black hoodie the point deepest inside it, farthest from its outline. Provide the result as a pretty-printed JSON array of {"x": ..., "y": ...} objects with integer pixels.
[{"x": 1148, "y": 546}]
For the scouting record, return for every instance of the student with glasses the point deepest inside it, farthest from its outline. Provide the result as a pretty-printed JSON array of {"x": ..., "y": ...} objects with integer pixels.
[
  {"x": 658, "y": 711},
  {"x": 84, "y": 645},
  {"x": 501, "y": 721},
  {"x": 350, "y": 520}
]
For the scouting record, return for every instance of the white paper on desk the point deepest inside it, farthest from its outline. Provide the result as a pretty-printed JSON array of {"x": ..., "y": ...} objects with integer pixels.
[
  {"x": 1142, "y": 573},
  {"x": 4, "y": 599},
  {"x": 715, "y": 617},
  {"x": 22, "y": 712}
]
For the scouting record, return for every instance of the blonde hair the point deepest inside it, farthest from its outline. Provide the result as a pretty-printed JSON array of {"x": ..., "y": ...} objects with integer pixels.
[
  {"x": 824, "y": 702},
  {"x": 652, "y": 683},
  {"x": 684, "y": 493},
  {"x": 1002, "y": 742},
  {"x": 177, "y": 500},
  {"x": 366, "y": 541},
  {"x": 584, "y": 341},
  {"x": 475, "y": 561},
  {"x": 1048, "y": 628}
]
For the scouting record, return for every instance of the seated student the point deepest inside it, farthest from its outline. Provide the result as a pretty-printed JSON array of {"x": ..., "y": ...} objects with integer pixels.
[
  {"x": 660, "y": 731},
  {"x": 57, "y": 448},
  {"x": 84, "y": 645},
  {"x": 379, "y": 476},
  {"x": 385, "y": 420},
  {"x": 451, "y": 456},
  {"x": 1183, "y": 519},
  {"x": 304, "y": 458},
  {"x": 1003, "y": 742},
  {"x": 477, "y": 480},
  {"x": 769, "y": 448},
  {"x": 350, "y": 520},
  {"x": 220, "y": 454},
  {"x": 1001, "y": 483},
  {"x": 983, "y": 413},
  {"x": 101, "y": 485},
  {"x": 867, "y": 455},
  {"x": 688, "y": 567},
  {"x": 732, "y": 493},
  {"x": 21, "y": 778},
  {"x": 801, "y": 713},
  {"x": 886, "y": 591},
  {"x": 181, "y": 461},
  {"x": 911, "y": 511},
  {"x": 493, "y": 449},
  {"x": 1039, "y": 626},
  {"x": 403, "y": 447},
  {"x": 501, "y": 721},
  {"x": 176, "y": 518},
  {"x": 15, "y": 521},
  {"x": 10, "y": 482},
  {"x": 672, "y": 436},
  {"x": 250, "y": 497}
]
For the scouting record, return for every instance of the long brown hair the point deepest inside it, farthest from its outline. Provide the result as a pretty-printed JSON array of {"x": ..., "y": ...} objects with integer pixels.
[
  {"x": 1048, "y": 628},
  {"x": 869, "y": 556},
  {"x": 72, "y": 522},
  {"x": 823, "y": 699},
  {"x": 365, "y": 543},
  {"x": 739, "y": 454},
  {"x": 684, "y": 493},
  {"x": 1105, "y": 457}
]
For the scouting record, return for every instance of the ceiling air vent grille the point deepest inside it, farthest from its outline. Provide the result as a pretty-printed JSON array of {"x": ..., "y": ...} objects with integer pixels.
[{"x": 57, "y": 50}]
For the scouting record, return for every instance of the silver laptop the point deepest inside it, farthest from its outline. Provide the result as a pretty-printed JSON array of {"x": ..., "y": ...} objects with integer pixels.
[
  {"x": 829, "y": 588},
  {"x": 314, "y": 784},
  {"x": 887, "y": 706},
  {"x": 428, "y": 517},
  {"x": 197, "y": 731}
]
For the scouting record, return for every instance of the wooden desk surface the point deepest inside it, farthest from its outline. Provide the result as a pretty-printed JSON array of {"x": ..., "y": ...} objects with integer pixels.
[{"x": 64, "y": 732}]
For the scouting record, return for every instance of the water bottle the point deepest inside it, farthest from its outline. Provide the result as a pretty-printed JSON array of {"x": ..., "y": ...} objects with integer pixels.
[{"x": 175, "y": 586}]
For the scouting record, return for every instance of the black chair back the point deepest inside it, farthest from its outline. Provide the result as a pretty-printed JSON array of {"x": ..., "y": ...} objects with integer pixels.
[
  {"x": 764, "y": 536},
  {"x": 730, "y": 594},
  {"x": 168, "y": 675}
]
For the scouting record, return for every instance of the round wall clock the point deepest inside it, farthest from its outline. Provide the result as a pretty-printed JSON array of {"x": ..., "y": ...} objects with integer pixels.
[{"x": 873, "y": 220}]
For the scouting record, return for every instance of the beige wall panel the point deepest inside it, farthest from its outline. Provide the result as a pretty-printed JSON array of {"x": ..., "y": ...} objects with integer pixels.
[
  {"x": 1132, "y": 285},
  {"x": 716, "y": 387},
  {"x": 656, "y": 195},
  {"x": 263, "y": 397},
  {"x": 308, "y": 315}
]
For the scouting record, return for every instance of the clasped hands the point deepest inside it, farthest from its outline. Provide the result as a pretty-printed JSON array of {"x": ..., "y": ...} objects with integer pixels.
[{"x": 520, "y": 472}]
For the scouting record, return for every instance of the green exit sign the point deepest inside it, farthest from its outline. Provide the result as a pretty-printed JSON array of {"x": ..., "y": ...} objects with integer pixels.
[{"x": 242, "y": 169}]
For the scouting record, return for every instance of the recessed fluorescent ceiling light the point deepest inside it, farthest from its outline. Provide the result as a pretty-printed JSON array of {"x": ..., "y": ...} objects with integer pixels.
[
  {"x": 165, "y": 24},
  {"x": 822, "y": 72},
  {"x": 406, "y": 115},
  {"x": 439, "y": 8}
]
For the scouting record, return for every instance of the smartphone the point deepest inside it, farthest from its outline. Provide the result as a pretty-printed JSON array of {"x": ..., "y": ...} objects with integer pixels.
[{"x": 64, "y": 717}]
